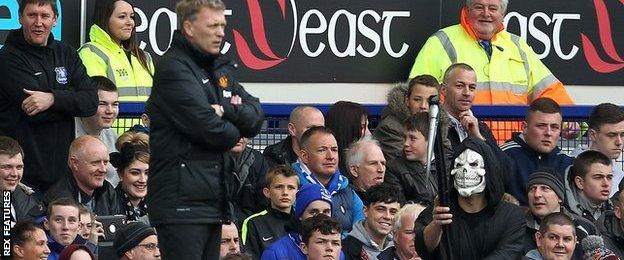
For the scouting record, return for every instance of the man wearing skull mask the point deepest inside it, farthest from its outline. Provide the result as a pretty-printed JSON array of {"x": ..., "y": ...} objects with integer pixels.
[{"x": 481, "y": 225}]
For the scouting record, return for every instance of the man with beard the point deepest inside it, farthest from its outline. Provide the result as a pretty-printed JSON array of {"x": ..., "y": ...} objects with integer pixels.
[{"x": 481, "y": 225}]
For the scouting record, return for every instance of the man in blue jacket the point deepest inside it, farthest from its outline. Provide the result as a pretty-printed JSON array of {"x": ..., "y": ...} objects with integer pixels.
[
  {"x": 318, "y": 165},
  {"x": 536, "y": 147}
]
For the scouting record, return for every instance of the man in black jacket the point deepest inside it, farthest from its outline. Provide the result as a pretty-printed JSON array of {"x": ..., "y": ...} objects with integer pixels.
[
  {"x": 249, "y": 170},
  {"x": 288, "y": 150},
  {"x": 86, "y": 184},
  {"x": 44, "y": 86},
  {"x": 481, "y": 225},
  {"x": 611, "y": 224},
  {"x": 198, "y": 112}
]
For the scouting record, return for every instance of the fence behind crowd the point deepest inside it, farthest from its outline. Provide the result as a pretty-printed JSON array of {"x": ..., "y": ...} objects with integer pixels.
[{"x": 505, "y": 119}]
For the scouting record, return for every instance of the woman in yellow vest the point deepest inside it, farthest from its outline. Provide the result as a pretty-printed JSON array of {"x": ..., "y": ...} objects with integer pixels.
[{"x": 114, "y": 51}]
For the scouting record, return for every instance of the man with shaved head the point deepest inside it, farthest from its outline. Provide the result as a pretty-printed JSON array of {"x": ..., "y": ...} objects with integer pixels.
[
  {"x": 88, "y": 158},
  {"x": 288, "y": 150}
]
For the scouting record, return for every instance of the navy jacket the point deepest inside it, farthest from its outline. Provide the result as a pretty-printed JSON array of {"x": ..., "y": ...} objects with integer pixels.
[{"x": 526, "y": 160}]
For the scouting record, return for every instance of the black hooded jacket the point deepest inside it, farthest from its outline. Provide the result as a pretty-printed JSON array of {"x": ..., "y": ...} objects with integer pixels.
[
  {"x": 189, "y": 140},
  {"x": 496, "y": 232},
  {"x": 45, "y": 137}
]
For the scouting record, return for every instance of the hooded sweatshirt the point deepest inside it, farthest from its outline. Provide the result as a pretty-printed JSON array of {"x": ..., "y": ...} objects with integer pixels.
[
  {"x": 495, "y": 232},
  {"x": 579, "y": 205},
  {"x": 347, "y": 207},
  {"x": 359, "y": 243}
]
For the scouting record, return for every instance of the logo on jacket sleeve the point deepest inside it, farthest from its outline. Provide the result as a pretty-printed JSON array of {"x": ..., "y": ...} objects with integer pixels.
[
  {"x": 61, "y": 75},
  {"x": 223, "y": 82}
]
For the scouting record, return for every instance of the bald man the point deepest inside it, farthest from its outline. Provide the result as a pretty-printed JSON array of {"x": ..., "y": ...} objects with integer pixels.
[
  {"x": 88, "y": 158},
  {"x": 301, "y": 119}
]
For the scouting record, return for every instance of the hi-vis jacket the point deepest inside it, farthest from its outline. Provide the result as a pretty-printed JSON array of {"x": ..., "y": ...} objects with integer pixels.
[
  {"x": 512, "y": 75},
  {"x": 103, "y": 57}
]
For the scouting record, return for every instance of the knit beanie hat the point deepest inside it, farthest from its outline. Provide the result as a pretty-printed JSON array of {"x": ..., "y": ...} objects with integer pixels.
[
  {"x": 548, "y": 177},
  {"x": 307, "y": 194},
  {"x": 130, "y": 236},
  {"x": 602, "y": 253}
]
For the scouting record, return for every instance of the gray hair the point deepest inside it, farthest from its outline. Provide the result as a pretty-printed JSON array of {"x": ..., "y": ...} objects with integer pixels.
[
  {"x": 503, "y": 4},
  {"x": 355, "y": 153},
  {"x": 413, "y": 209},
  {"x": 187, "y": 9}
]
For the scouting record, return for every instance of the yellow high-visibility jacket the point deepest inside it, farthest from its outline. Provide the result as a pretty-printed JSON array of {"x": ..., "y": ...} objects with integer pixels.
[
  {"x": 103, "y": 57},
  {"x": 514, "y": 75}
]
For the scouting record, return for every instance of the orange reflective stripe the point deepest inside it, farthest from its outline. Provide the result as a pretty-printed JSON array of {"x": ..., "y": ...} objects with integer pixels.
[
  {"x": 501, "y": 97},
  {"x": 557, "y": 92}
]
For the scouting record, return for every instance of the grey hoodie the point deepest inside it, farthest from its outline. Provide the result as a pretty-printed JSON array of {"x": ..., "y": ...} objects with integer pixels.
[
  {"x": 360, "y": 234},
  {"x": 579, "y": 205}
]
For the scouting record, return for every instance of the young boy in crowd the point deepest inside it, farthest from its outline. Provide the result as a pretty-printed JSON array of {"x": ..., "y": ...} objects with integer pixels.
[
  {"x": 588, "y": 185},
  {"x": 262, "y": 229},
  {"x": 408, "y": 172},
  {"x": 320, "y": 238}
]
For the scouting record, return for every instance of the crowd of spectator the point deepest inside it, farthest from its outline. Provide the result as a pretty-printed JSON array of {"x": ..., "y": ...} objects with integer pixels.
[{"x": 187, "y": 182}]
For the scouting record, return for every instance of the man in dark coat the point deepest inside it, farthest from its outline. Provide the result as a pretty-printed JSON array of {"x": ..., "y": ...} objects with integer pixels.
[
  {"x": 44, "y": 86},
  {"x": 481, "y": 225},
  {"x": 288, "y": 150},
  {"x": 249, "y": 168},
  {"x": 546, "y": 194},
  {"x": 198, "y": 112},
  {"x": 611, "y": 224},
  {"x": 86, "y": 184}
]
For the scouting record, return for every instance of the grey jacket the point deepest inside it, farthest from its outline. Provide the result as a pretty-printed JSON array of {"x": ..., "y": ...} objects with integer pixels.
[{"x": 358, "y": 241}]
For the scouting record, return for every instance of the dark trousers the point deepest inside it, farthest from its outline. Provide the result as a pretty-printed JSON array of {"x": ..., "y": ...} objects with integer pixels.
[{"x": 189, "y": 241}]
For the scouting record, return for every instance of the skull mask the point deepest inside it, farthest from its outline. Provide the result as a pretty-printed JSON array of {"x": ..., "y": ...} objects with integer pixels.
[{"x": 469, "y": 172}]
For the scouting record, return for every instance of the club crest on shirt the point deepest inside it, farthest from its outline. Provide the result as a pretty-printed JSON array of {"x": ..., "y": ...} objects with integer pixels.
[
  {"x": 223, "y": 82},
  {"x": 61, "y": 75}
]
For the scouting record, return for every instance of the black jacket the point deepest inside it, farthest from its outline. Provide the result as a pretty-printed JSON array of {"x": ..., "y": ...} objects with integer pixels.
[
  {"x": 45, "y": 137},
  {"x": 105, "y": 197},
  {"x": 610, "y": 228},
  {"x": 260, "y": 230},
  {"x": 281, "y": 152},
  {"x": 26, "y": 205},
  {"x": 249, "y": 170},
  {"x": 409, "y": 178},
  {"x": 495, "y": 232},
  {"x": 188, "y": 140}
]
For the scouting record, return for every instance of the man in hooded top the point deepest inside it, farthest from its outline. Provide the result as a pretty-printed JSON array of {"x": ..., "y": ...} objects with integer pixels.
[{"x": 481, "y": 225}]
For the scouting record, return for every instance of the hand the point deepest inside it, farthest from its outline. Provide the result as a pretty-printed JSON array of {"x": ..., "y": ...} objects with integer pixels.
[
  {"x": 37, "y": 102},
  {"x": 218, "y": 109},
  {"x": 470, "y": 123},
  {"x": 442, "y": 216},
  {"x": 236, "y": 100},
  {"x": 97, "y": 231}
]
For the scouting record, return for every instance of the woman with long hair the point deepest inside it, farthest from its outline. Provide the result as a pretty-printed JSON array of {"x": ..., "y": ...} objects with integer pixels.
[
  {"x": 349, "y": 122},
  {"x": 114, "y": 51}
]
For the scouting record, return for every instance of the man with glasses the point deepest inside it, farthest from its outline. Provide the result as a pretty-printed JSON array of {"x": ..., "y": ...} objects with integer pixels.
[{"x": 136, "y": 240}]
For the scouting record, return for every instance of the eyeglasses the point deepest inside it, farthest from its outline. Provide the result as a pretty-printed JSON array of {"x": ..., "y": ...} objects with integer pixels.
[{"x": 149, "y": 246}]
